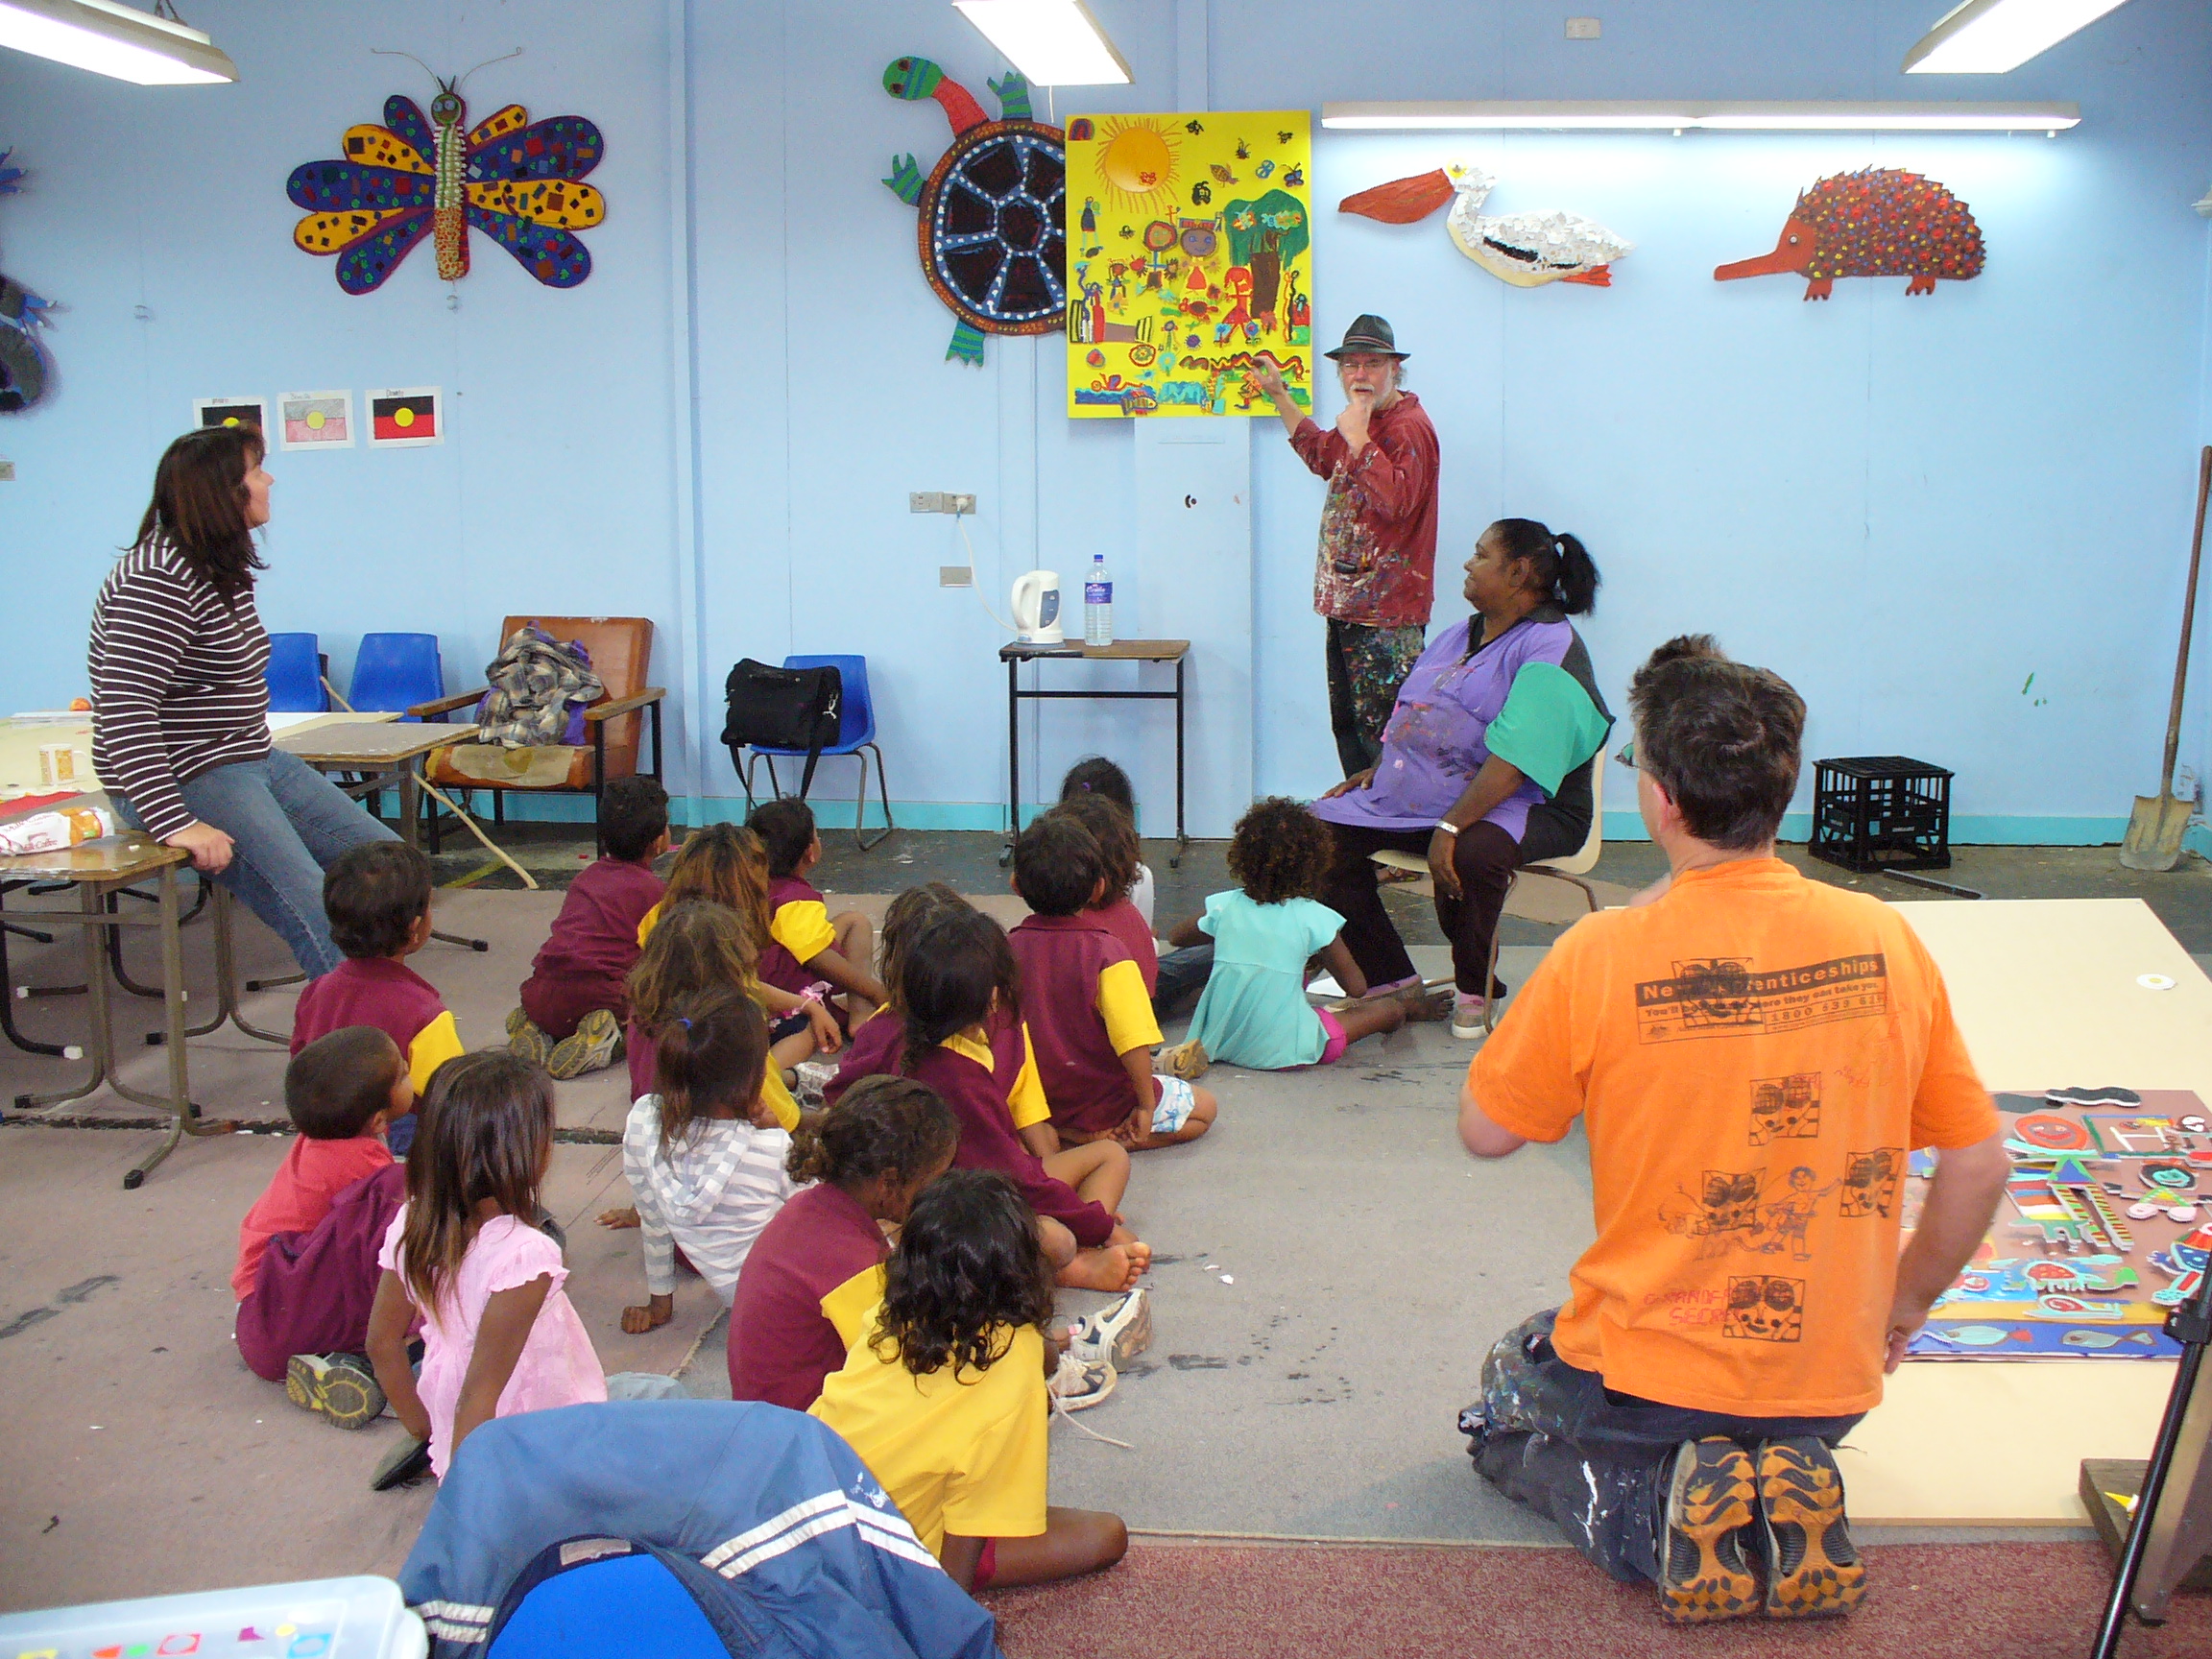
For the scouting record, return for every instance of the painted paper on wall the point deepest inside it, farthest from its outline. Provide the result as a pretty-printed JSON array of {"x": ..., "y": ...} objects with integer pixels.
[
  {"x": 1527, "y": 250},
  {"x": 1878, "y": 222},
  {"x": 1189, "y": 261},
  {"x": 315, "y": 420},
  {"x": 23, "y": 373},
  {"x": 405, "y": 418},
  {"x": 230, "y": 411}
]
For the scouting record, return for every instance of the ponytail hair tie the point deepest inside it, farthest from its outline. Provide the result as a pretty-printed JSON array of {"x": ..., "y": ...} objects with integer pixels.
[{"x": 685, "y": 1023}]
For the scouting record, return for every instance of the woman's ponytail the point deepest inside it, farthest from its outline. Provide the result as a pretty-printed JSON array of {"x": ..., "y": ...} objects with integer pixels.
[
  {"x": 1561, "y": 568},
  {"x": 1574, "y": 588}
]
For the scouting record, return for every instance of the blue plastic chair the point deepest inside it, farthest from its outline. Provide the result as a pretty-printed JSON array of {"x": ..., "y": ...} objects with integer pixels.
[
  {"x": 856, "y": 733},
  {"x": 394, "y": 672},
  {"x": 296, "y": 675},
  {"x": 619, "y": 1606}
]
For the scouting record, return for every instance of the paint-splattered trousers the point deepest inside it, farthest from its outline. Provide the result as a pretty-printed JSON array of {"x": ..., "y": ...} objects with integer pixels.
[
  {"x": 1596, "y": 1462},
  {"x": 1366, "y": 667}
]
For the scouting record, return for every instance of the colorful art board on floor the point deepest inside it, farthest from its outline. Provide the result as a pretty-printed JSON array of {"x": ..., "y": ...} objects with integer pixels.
[
  {"x": 1189, "y": 261},
  {"x": 2105, "y": 1223}
]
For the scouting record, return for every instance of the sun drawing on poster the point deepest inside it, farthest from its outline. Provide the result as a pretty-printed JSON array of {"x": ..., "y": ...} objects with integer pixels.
[{"x": 1139, "y": 159}]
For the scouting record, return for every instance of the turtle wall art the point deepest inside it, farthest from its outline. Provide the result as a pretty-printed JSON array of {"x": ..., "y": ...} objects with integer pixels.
[
  {"x": 23, "y": 314},
  {"x": 515, "y": 179},
  {"x": 1188, "y": 265},
  {"x": 989, "y": 212},
  {"x": 1527, "y": 250},
  {"x": 1878, "y": 222}
]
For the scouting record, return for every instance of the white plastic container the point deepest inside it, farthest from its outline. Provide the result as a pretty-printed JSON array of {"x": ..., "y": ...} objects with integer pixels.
[{"x": 361, "y": 1618}]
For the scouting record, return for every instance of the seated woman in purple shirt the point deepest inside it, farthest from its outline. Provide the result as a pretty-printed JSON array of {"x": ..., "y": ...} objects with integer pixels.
[{"x": 1485, "y": 762}]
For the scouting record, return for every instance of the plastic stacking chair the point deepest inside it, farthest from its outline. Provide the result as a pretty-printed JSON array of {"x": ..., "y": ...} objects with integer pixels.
[
  {"x": 296, "y": 675},
  {"x": 394, "y": 672},
  {"x": 856, "y": 733},
  {"x": 1570, "y": 869}
]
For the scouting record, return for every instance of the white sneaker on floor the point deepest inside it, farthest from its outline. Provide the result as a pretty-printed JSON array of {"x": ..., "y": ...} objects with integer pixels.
[
  {"x": 1080, "y": 1383},
  {"x": 1467, "y": 1016},
  {"x": 1115, "y": 1334}
]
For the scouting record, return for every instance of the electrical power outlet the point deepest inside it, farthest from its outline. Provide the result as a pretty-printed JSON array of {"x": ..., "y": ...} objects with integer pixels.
[
  {"x": 964, "y": 504},
  {"x": 955, "y": 575},
  {"x": 940, "y": 501},
  {"x": 1582, "y": 28}
]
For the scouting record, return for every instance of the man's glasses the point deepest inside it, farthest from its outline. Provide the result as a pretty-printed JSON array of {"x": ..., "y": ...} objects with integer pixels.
[{"x": 1627, "y": 754}]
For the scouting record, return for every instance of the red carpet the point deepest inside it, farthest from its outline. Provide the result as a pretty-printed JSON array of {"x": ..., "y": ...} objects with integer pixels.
[{"x": 1331, "y": 1602}]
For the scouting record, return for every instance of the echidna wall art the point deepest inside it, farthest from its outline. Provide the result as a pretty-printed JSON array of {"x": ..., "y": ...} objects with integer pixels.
[{"x": 1878, "y": 222}]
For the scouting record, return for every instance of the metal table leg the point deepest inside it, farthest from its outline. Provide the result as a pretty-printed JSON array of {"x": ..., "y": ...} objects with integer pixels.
[
  {"x": 101, "y": 1039},
  {"x": 1182, "y": 835},
  {"x": 1013, "y": 759},
  {"x": 29, "y": 1045},
  {"x": 226, "y": 983}
]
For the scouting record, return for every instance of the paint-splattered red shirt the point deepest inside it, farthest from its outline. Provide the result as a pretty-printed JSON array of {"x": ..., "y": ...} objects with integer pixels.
[{"x": 1376, "y": 563}]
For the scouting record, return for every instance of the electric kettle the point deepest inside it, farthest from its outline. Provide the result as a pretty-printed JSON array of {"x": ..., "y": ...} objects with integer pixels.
[{"x": 1036, "y": 604}]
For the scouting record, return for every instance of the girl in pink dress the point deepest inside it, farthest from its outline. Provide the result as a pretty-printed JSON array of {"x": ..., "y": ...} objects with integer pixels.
[{"x": 499, "y": 1333}]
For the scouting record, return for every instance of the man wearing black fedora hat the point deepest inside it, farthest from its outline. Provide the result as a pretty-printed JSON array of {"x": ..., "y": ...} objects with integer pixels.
[{"x": 1375, "y": 576}]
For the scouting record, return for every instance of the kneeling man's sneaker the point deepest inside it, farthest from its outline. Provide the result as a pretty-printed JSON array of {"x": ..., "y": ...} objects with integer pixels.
[
  {"x": 1813, "y": 1568},
  {"x": 589, "y": 1049},
  {"x": 1705, "y": 1574}
]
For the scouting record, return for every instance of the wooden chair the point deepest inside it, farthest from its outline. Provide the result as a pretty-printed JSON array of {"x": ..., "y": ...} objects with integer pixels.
[
  {"x": 1571, "y": 870},
  {"x": 621, "y": 650}
]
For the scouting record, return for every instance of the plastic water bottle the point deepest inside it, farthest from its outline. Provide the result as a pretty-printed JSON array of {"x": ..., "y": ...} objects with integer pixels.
[{"x": 1097, "y": 603}]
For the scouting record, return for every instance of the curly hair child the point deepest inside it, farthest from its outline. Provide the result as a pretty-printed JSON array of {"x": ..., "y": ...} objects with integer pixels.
[
  {"x": 1271, "y": 932},
  {"x": 945, "y": 1399}
]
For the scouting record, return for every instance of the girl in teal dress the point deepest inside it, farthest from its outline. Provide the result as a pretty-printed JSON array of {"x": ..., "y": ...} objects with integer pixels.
[{"x": 1267, "y": 934}]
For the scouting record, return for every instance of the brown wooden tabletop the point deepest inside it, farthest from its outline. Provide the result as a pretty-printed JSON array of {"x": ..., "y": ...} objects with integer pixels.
[
  {"x": 123, "y": 857},
  {"x": 387, "y": 742},
  {"x": 1121, "y": 651}
]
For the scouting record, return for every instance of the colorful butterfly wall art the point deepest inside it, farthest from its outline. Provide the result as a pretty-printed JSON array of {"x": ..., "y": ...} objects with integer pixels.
[{"x": 515, "y": 179}]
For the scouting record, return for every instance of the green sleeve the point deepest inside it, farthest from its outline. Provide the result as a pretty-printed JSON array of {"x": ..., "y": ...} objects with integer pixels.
[{"x": 1547, "y": 727}]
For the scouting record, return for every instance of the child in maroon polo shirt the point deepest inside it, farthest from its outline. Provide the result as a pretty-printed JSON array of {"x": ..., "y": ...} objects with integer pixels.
[
  {"x": 818, "y": 1266},
  {"x": 1085, "y": 1002},
  {"x": 575, "y": 1002},
  {"x": 377, "y": 898},
  {"x": 840, "y": 949},
  {"x": 958, "y": 974}
]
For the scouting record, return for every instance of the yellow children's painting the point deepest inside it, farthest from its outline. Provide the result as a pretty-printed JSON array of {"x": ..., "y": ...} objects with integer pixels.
[{"x": 1189, "y": 261}]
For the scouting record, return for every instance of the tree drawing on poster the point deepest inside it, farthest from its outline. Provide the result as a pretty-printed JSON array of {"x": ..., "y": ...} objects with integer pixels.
[{"x": 1189, "y": 261}]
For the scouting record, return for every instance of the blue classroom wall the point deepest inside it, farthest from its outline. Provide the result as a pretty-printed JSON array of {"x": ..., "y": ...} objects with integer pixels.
[{"x": 1906, "y": 506}]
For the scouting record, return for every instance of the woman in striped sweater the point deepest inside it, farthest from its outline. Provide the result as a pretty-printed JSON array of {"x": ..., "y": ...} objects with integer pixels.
[{"x": 181, "y": 698}]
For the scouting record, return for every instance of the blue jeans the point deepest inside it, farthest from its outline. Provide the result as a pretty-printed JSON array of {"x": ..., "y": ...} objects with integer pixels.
[
  {"x": 1183, "y": 974},
  {"x": 287, "y": 822}
]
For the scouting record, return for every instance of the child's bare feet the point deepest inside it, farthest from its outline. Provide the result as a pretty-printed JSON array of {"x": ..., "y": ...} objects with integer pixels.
[
  {"x": 625, "y": 1216},
  {"x": 656, "y": 1311},
  {"x": 1422, "y": 1002},
  {"x": 1110, "y": 1267}
]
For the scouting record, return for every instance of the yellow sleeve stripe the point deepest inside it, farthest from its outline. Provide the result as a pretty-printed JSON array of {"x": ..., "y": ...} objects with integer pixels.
[
  {"x": 779, "y": 1098},
  {"x": 646, "y": 923},
  {"x": 1026, "y": 1098},
  {"x": 434, "y": 1045},
  {"x": 802, "y": 928},
  {"x": 851, "y": 1306},
  {"x": 1125, "y": 1008}
]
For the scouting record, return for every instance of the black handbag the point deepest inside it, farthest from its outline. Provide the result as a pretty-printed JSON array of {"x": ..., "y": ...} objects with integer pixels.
[{"x": 771, "y": 708}]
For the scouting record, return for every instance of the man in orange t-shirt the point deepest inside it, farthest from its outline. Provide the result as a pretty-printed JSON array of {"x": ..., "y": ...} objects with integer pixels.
[{"x": 1754, "y": 1056}]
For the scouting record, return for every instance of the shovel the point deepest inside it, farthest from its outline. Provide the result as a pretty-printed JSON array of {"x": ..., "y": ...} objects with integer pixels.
[{"x": 2156, "y": 828}]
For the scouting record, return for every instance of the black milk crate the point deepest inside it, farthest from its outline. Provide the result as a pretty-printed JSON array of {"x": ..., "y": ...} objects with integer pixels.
[{"x": 1882, "y": 812}]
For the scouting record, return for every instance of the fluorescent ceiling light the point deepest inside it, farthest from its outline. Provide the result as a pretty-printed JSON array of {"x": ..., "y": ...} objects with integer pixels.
[
  {"x": 1989, "y": 36},
  {"x": 115, "y": 39},
  {"x": 1669, "y": 116},
  {"x": 1053, "y": 42}
]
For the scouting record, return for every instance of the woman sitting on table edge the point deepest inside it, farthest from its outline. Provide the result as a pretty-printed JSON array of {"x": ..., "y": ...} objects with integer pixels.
[
  {"x": 181, "y": 698},
  {"x": 1485, "y": 765}
]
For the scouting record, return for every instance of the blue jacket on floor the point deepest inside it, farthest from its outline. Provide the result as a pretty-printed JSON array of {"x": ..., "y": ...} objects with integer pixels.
[{"x": 782, "y": 1541}]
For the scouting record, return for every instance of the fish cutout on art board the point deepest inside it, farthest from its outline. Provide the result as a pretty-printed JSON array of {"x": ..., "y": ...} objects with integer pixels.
[{"x": 1527, "y": 250}]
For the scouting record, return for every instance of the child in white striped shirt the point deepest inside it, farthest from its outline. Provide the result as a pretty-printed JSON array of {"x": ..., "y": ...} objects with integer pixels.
[{"x": 704, "y": 1154}]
